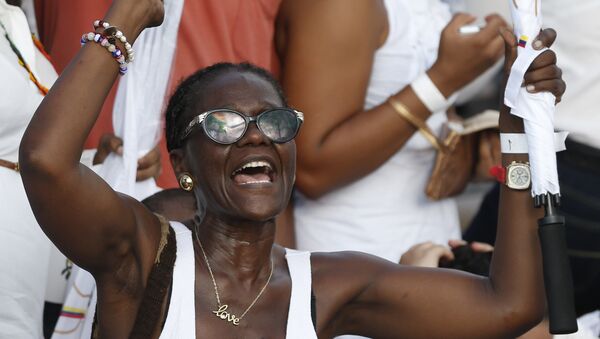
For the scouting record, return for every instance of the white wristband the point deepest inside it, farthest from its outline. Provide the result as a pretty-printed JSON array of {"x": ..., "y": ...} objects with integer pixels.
[
  {"x": 430, "y": 95},
  {"x": 516, "y": 143}
]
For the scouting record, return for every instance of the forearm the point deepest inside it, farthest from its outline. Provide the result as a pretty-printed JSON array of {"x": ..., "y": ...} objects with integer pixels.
[
  {"x": 516, "y": 272},
  {"x": 78, "y": 211},
  {"x": 58, "y": 130},
  {"x": 357, "y": 146}
]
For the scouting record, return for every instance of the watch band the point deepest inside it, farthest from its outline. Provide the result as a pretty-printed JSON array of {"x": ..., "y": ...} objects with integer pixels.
[
  {"x": 501, "y": 174},
  {"x": 516, "y": 143},
  {"x": 430, "y": 95}
]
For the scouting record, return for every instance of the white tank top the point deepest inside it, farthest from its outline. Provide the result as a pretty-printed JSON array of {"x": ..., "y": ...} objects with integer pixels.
[
  {"x": 387, "y": 211},
  {"x": 181, "y": 316}
]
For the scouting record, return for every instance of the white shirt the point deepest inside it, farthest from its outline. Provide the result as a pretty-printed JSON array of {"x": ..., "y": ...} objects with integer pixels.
[
  {"x": 578, "y": 50},
  {"x": 24, "y": 249},
  {"x": 386, "y": 212}
]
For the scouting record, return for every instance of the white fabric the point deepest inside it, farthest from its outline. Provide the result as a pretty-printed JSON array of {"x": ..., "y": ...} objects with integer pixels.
[
  {"x": 300, "y": 325},
  {"x": 24, "y": 249},
  {"x": 516, "y": 143},
  {"x": 536, "y": 109},
  {"x": 82, "y": 292},
  {"x": 589, "y": 327},
  {"x": 387, "y": 211},
  {"x": 181, "y": 316},
  {"x": 578, "y": 53},
  {"x": 139, "y": 103}
]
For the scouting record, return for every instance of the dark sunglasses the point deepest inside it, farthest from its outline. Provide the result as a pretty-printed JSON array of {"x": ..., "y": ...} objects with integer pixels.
[{"x": 226, "y": 126}]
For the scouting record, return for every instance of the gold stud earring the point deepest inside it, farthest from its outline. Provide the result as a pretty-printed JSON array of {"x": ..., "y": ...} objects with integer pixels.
[{"x": 186, "y": 182}]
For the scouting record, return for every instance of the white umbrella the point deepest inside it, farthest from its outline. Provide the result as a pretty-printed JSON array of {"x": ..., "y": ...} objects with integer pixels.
[{"x": 537, "y": 111}]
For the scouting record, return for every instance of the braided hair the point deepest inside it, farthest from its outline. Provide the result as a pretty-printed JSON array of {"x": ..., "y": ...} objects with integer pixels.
[{"x": 183, "y": 98}]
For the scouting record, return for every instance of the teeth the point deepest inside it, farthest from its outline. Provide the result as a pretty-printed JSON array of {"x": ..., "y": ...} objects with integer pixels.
[{"x": 254, "y": 164}]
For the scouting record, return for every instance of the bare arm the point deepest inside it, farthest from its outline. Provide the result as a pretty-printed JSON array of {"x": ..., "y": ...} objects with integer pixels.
[
  {"x": 327, "y": 51},
  {"x": 428, "y": 303},
  {"x": 87, "y": 220}
]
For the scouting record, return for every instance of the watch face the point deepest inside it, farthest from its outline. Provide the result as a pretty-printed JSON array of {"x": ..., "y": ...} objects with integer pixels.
[{"x": 518, "y": 177}]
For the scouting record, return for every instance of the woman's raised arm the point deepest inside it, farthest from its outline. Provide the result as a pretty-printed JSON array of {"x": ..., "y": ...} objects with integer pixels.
[
  {"x": 397, "y": 301},
  {"x": 81, "y": 214}
]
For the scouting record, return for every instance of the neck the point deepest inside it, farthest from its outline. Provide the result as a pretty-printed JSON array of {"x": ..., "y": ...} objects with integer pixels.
[{"x": 240, "y": 250}]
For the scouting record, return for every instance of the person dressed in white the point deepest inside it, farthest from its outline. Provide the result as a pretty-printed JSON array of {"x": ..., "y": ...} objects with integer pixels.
[
  {"x": 370, "y": 197},
  {"x": 30, "y": 266},
  {"x": 24, "y": 248}
]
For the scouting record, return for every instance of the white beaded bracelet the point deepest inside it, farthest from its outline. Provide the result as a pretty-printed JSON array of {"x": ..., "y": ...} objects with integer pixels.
[
  {"x": 430, "y": 95},
  {"x": 113, "y": 32},
  {"x": 104, "y": 42}
]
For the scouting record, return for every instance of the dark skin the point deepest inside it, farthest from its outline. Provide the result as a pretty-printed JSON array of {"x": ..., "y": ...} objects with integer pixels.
[{"x": 116, "y": 237}]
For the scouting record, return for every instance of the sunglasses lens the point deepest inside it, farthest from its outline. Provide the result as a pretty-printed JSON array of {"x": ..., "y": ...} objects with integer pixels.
[
  {"x": 224, "y": 127},
  {"x": 279, "y": 125}
]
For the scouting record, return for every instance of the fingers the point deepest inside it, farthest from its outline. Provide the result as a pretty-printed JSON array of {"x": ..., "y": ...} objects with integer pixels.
[
  {"x": 476, "y": 246},
  {"x": 551, "y": 72},
  {"x": 442, "y": 252},
  {"x": 152, "y": 171},
  {"x": 426, "y": 254},
  {"x": 545, "y": 39},
  {"x": 547, "y": 58},
  {"x": 459, "y": 20},
  {"x": 149, "y": 165},
  {"x": 556, "y": 87},
  {"x": 493, "y": 24},
  {"x": 481, "y": 247},
  {"x": 510, "y": 47},
  {"x": 149, "y": 159},
  {"x": 108, "y": 143}
]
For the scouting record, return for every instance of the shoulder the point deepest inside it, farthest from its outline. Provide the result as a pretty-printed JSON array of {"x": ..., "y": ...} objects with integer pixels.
[
  {"x": 345, "y": 275},
  {"x": 335, "y": 16},
  {"x": 338, "y": 280},
  {"x": 351, "y": 264}
]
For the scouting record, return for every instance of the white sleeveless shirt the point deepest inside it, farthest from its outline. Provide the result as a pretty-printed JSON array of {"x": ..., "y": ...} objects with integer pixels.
[
  {"x": 181, "y": 316},
  {"x": 387, "y": 211}
]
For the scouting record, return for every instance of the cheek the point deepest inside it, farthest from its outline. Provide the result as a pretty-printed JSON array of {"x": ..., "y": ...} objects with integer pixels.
[
  {"x": 206, "y": 163},
  {"x": 288, "y": 159}
]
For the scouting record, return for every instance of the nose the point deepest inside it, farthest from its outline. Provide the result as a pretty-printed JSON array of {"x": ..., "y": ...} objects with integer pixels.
[{"x": 253, "y": 136}]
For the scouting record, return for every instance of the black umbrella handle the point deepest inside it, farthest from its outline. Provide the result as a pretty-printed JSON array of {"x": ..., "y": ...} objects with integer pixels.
[{"x": 557, "y": 271}]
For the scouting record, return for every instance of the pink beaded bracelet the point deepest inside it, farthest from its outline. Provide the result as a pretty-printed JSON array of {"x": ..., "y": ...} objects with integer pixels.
[{"x": 104, "y": 41}]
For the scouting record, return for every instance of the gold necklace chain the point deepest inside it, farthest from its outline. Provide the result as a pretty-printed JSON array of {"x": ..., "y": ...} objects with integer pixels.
[{"x": 222, "y": 312}]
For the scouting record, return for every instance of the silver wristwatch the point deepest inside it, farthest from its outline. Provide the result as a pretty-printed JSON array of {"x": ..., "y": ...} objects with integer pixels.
[{"x": 518, "y": 175}]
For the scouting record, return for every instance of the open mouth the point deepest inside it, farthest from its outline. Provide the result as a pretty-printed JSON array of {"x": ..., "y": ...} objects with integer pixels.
[{"x": 253, "y": 172}]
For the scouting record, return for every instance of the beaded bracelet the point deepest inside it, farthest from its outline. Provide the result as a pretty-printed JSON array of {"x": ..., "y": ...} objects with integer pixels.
[
  {"x": 114, "y": 33},
  {"x": 113, "y": 49}
]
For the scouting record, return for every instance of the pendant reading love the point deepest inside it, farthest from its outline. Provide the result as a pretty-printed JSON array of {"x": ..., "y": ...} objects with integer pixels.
[{"x": 222, "y": 314}]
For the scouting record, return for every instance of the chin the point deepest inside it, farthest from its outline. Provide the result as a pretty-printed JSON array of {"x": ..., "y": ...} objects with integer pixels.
[{"x": 260, "y": 210}]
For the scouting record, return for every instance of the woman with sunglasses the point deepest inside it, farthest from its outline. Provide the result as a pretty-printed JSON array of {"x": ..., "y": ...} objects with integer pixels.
[{"x": 230, "y": 136}]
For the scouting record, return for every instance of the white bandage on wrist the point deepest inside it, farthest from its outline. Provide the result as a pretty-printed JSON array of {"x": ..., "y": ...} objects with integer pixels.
[
  {"x": 516, "y": 143},
  {"x": 430, "y": 95}
]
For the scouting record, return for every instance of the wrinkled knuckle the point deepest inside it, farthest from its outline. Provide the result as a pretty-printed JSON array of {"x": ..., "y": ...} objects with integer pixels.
[
  {"x": 559, "y": 72},
  {"x": 551, "y": 55}
]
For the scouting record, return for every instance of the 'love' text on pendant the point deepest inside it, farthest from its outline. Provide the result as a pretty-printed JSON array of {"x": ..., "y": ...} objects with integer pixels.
[{"x": 224, "y": 315}]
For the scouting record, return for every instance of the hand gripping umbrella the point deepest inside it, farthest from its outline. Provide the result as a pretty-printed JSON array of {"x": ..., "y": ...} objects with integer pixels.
[{"x": 537, "y": 112}]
